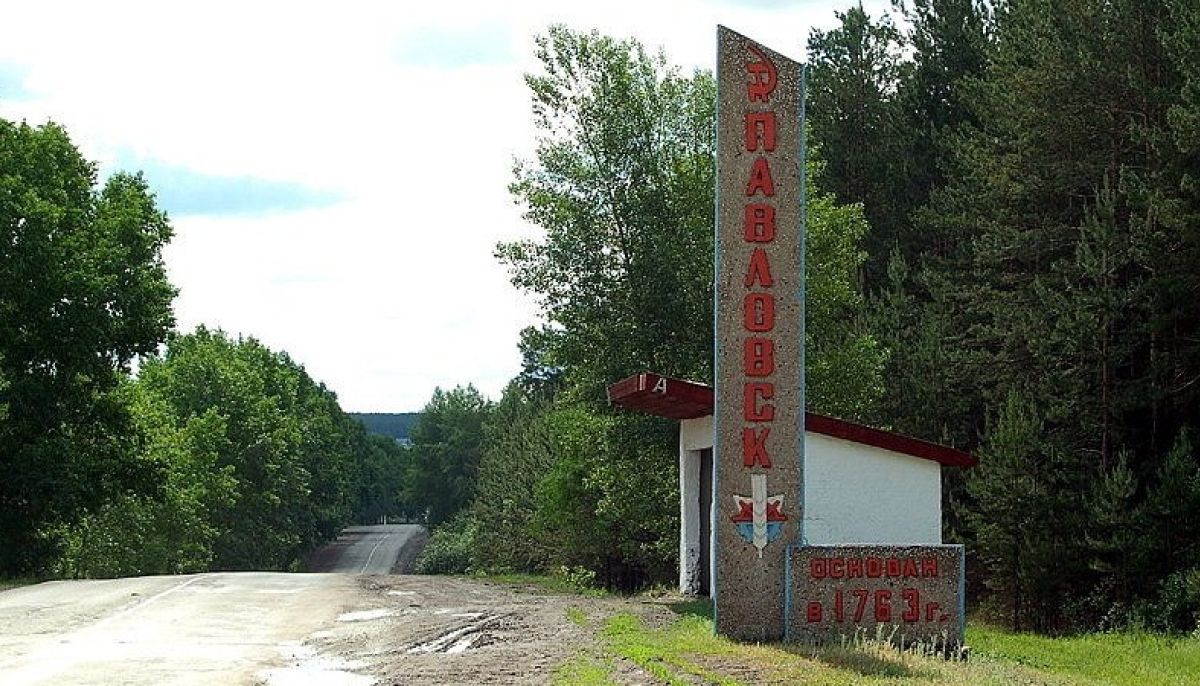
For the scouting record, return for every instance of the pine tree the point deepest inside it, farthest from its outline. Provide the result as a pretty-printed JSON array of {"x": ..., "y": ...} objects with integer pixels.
[
  {"x": 1025, "y": 516},
  {"x": 854, "y": 75}
]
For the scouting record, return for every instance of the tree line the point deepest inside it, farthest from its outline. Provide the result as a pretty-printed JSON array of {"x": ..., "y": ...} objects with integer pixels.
[
  {"x": 217, "y": 454},
  {"x": 1003, "y": 258},
  {"x": 1029, "y": 172}
]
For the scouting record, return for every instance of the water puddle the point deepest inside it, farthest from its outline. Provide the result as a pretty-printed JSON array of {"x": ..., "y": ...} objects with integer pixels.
[
  {"x": 310, "y": 668},
  {"x": 365, "y": 615},
  {"x": 454, "y": 642}
]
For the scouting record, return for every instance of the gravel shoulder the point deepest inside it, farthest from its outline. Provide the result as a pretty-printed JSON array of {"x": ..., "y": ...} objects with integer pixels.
[{"x": 450, "y": 630}]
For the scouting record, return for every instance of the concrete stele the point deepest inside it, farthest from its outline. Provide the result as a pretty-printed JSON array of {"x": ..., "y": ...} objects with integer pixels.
[{"x": 759, "y": 333}]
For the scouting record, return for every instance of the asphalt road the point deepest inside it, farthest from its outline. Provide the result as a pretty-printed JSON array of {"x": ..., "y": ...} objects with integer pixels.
[
  {"x": 218, "y": 628},
  {"x": 364, "y": 549}
]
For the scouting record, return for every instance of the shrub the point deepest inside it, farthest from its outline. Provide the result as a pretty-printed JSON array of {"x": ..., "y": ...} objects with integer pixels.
[
  {"x": 449, "y": 548},
  {"x": 1177, "y": 607}
]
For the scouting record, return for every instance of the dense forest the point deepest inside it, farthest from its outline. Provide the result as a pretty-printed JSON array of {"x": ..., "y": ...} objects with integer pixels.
[
  {"x": 217, "y": 454},
  {"x": 1004, "y": 256},
  {"x": 397, "y": 425}
]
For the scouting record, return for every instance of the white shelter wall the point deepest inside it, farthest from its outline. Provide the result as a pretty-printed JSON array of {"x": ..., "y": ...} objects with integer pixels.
[
  {"x": 695, "y": 435},
  {"x": 856, "y": 493}
]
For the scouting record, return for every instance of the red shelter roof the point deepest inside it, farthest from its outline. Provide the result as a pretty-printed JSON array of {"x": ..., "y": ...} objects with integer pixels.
[{"x": 678, "y": 399}]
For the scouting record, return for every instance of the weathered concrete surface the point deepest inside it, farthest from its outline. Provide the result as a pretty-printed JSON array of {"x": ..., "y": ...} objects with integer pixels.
[
  {"x": 219, "y": 628},
  {"x": 906, "y": 593},
  {"x": 758, "y": 334},
  {"x": 201, "y": 629}
]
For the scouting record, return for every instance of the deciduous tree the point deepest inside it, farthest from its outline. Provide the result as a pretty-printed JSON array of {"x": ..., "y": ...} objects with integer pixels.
[{"x": 83, "y": 291}]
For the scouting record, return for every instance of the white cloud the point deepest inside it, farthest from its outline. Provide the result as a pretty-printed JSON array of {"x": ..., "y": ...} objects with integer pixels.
[{"x": 394, "y": 290}]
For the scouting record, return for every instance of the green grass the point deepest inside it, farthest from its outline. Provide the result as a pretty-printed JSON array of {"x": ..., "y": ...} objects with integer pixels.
[
  {"x": 1102, "y": 659},
  {"x": 577, "y": 616},
  {"x": 6, "y": 584},
  {"x": 583, "y": 670},
  {"x": 686, "y": 652}
]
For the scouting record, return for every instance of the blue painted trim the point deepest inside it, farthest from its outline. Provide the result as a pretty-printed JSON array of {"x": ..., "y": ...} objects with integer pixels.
[
  {"x": 803, "y": 394},
  {"x": 962, "y": 592},
  {"x": 788, "y": 600},
  {"x": 714, "y": 537}
]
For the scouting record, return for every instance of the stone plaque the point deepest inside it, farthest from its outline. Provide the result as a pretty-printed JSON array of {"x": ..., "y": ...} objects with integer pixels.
[
  {"x": 758, "y": 334},
  {"x": 906, "y": 593}
]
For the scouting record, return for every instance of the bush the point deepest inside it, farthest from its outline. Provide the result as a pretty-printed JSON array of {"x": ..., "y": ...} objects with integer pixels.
[
  {"x": 1177, "y": 608},
  {"x": 449, "y": 548}
]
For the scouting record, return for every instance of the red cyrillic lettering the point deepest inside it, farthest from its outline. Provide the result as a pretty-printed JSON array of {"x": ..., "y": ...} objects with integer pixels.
[
  {"x": 759, "y": 226},
  {"x": 754, "y": 447},
  {"x": 929, "y": 566},
  {"x": 931, "y": 611},
  {"x": 758, "y": 356},
  {"x": 760, "y": 269},
  {"x": 816, "y": 568},
  {"x": 760, "y": 179},
  {"x": 752, "y": 411},
  {"x": 760, "y": 126},
  {"x": 814, "y": 612},
  {"x": 758, "y": 312}
]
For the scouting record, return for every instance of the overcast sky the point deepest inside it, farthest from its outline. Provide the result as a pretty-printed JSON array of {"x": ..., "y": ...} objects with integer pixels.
[{"x": 336, "y": 172}]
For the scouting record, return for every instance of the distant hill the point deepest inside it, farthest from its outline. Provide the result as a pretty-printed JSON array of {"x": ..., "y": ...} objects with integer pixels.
[{"x": 394, "y": 424}]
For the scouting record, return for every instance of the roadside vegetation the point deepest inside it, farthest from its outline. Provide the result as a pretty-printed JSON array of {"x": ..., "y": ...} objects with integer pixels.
[
  {"x": 1002, "y": 214},
  {"x": 686, "y": 651},
  {"x": 217, "y": 454}
]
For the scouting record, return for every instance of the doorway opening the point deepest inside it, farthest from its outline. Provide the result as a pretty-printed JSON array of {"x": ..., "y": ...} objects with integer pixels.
[{"x": 706, "y": 515}]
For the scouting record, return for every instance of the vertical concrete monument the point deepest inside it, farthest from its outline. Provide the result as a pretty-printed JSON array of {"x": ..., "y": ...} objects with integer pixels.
[{"x": 759, "y": 334}]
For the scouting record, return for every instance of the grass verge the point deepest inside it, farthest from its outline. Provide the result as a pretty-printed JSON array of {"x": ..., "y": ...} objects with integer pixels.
[
  {"x": 6, "y": 584},
  {"x": 687, "y": 652},
  {"x": 583, "y": 670},
  {"x": 1113, "y": 659}
]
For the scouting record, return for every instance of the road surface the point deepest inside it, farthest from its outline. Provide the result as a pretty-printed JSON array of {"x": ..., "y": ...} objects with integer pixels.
[
  {"x": 364, "y": 549},
  {"x": 269, "y": 629},
  {"x": 219, "y": 628},
  {"x": 200, "y": 629}
]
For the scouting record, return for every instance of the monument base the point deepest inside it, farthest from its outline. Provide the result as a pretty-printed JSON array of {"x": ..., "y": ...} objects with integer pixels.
[{"x": 900, "y": 594}]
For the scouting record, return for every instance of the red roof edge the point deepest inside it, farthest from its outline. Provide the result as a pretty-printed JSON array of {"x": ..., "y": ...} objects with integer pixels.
[
  {"x": 897, "y": 443},
  {"x": 662, "y": 395},
  {"x": 665, "y": 396}
]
